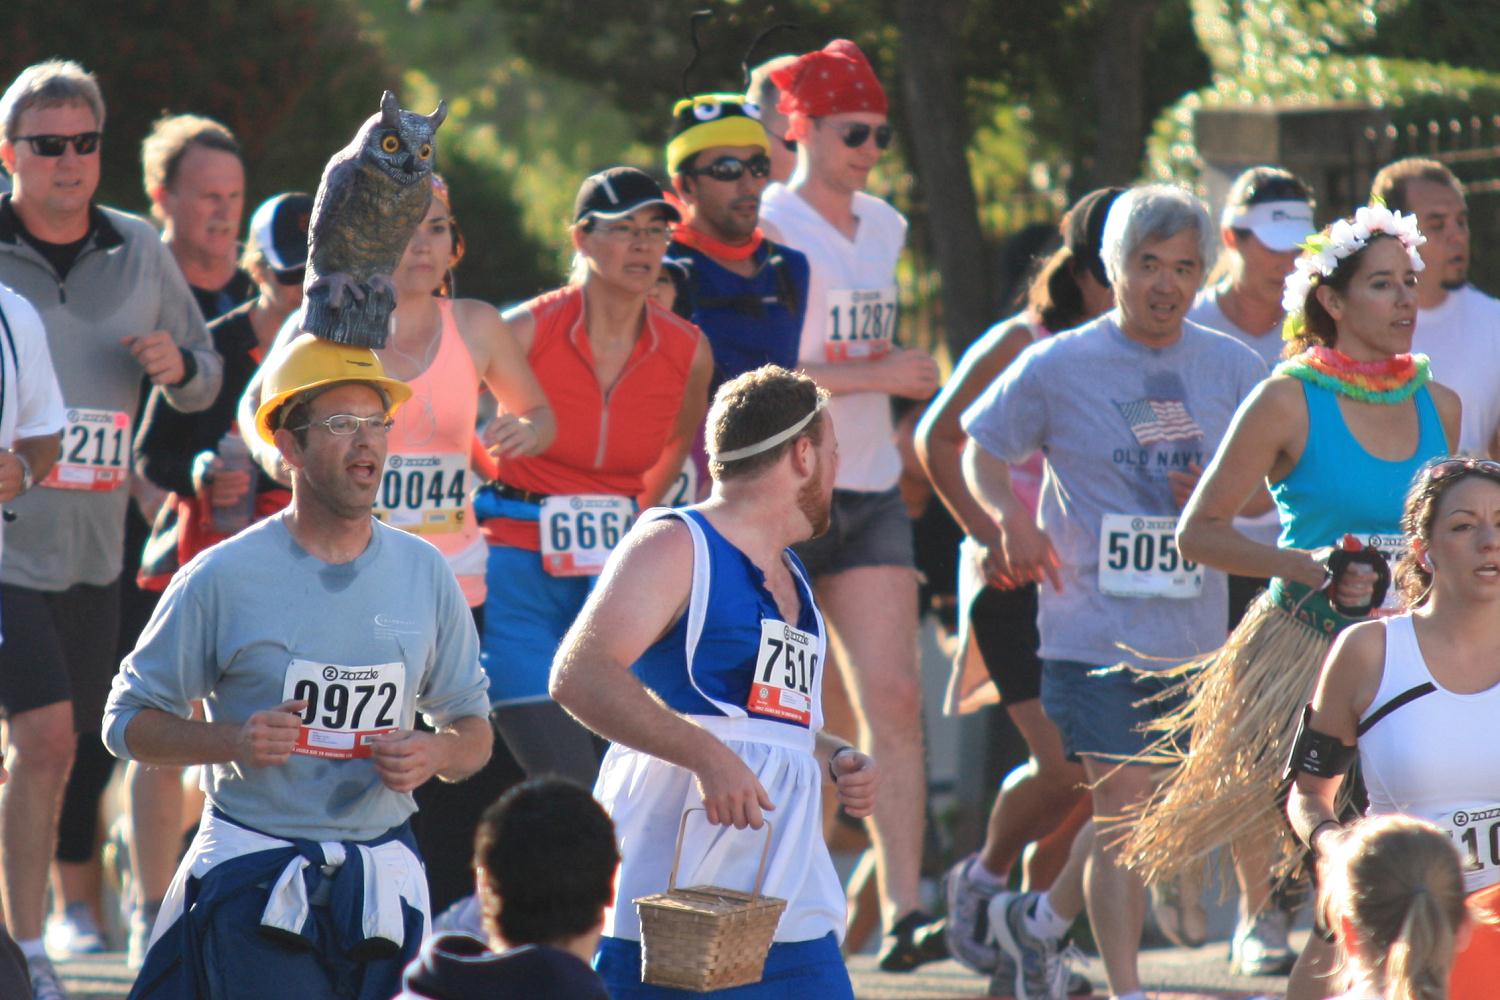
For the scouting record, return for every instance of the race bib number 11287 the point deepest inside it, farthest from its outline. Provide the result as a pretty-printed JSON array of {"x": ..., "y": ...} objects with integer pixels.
[
  {"x": 786, "y": 673},
  {"x": 861, "y": 323}
]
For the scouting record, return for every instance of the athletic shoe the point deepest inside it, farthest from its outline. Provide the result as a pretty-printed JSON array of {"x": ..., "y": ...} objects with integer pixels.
[
  {"x": 1040, "y": 971},
  {"x": 73, "y": 933},
  {"x": 1260, "y": 948},
  {"x": 915, "y": 940},
  {"x": 1079, "y": 986},
  {"x": 45, "y": 983},
  {"x": 1182, "y": 920},
  {"x": 969, "y": 938}
]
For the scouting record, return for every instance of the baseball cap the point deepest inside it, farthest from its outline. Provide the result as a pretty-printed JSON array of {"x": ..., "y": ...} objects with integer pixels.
[
  {"x": 279, "y": 229},
  {"x": 618, "y": 191},
  {"x": 1274, "y": 205}
]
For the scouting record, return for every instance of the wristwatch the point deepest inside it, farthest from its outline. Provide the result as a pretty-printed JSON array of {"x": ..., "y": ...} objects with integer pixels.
[
  {"x": 26, "y": 480},
  {"x": 832, "y": 774}
]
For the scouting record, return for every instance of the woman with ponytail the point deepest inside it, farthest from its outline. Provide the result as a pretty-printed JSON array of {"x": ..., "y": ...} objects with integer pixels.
[{"x": 1392, "y": 887}]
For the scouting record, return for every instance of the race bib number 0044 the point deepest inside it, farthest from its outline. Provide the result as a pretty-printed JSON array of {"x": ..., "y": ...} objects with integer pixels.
[
  {"x": 1138, "y": 557},
  {"x": 861, "y": 323},
  {"x": 579, "y": 531},
  {"x": 786, "y": 673},
  {"x": 345, "y": 705},
  {"x": 423, "y": 494},
  {"x": 95, "y": 451}
]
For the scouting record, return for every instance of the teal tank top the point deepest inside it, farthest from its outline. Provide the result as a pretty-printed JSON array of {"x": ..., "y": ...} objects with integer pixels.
[{"x": 1338, "y": 487}]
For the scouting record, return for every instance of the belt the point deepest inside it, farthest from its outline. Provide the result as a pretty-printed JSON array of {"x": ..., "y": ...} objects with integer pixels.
[{"x": 516, "y": 493}]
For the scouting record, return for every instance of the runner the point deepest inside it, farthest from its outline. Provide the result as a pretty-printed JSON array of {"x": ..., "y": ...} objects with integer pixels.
[
  {"x": 313, "y": 639},
  {"x": 1126, "y": 409},
  {"x": 1338, "y": 433},
  {"x": 31, "y": 407},
  {"x": 997, "y": 654},
  {"x": 1267, "y": 214},
  {"x": 1395, "y": 887},
  {"x": 764, "y": 94},
  {"x": 1458, "y": 326},
  {"x": 114, "y": 306},
  {"x": 698, "y": 657},
  {"x": 1414, "y": 698},
  {"x": 629, "y": 384},
  {"x": 864, "y": 566}
]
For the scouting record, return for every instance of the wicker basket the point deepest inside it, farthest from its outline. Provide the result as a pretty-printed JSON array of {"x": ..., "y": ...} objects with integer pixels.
[{"x": 705, "y": 937}]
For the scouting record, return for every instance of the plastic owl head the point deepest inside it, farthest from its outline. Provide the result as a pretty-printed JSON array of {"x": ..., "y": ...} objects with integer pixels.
[{"x": 402, "y": 144}]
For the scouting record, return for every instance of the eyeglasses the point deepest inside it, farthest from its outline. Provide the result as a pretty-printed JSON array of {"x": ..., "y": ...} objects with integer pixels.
[
  {"x": 1450, "y": 467},
  {"x": 345, "y": 424},
  {"x": 84, "y": 143},
  {"x": 732, "y": 168},
  {"x": 624, "y": 232},
  {"x": 856, "y": 134}
]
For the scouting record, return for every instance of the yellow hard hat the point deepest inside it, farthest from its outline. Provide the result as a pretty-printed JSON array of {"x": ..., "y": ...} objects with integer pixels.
[{"x": 309, "y": 362}]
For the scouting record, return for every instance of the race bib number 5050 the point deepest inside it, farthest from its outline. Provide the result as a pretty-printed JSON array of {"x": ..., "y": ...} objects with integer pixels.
[
  {"x": 95, "y": 451},
  {"x": 579, "y": 531},
  {"x": 786, "y": 673},
  {"x": 345, "y": 705},
  {"x": 1138, "y": 557}
]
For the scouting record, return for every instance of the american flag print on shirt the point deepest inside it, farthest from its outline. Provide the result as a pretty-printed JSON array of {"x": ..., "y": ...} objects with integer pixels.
[{"x": 1155, "y": 421}]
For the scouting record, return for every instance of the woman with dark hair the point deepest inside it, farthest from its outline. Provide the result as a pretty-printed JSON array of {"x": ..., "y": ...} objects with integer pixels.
[
  {"x": 998, "y": 631},
  {"x": 1415, "y": 697},
  {"x": 1337, "y": 433}
]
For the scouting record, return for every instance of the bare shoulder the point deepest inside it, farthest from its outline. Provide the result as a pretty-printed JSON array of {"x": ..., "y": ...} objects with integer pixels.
[
  {"x": 659, "y": 545},
  {"x": 520, "y": 323},
  {"x": 1355, "y": 666},
  {"x": 1449, "y": 408}
]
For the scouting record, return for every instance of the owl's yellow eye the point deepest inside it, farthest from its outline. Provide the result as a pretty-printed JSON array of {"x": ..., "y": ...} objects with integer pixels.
[
  {"x": 390, "y": 144},
  {"x": 425, "y": 151}
]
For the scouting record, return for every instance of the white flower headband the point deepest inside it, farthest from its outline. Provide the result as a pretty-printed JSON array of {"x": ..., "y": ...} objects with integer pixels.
[{"x": 1322, "y": 253}]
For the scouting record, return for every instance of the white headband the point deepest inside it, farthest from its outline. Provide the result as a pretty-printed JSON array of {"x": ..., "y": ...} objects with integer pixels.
[{"x": 772, "y": 441}]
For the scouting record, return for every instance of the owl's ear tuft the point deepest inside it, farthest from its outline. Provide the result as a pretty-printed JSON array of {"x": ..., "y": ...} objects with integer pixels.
[
  {"x": 438, "y": 116},
  {"x": 390, "y": 110}
]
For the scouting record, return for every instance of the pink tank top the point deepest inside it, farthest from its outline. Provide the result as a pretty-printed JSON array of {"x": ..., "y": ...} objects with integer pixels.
[{"x": 427, "y": 481}]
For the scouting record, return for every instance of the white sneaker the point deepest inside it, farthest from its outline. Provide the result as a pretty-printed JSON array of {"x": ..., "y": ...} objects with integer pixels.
[
  {"x": 45, "y": 982},
  {"x": 1260, "y": 947},
  {"x": 73, "y": 933}
]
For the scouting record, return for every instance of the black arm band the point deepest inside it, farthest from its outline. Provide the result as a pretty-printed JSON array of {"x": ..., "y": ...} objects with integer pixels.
[{"x": 1317, "y": 754}]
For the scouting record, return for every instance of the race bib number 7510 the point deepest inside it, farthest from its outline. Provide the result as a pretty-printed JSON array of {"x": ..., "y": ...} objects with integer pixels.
[
  {"x": 345, "y": 705},
  {"x": 786, "y": 673}
]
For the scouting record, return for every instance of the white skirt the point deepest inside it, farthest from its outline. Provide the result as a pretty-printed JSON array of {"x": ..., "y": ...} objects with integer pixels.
[{"x": 647, "y": 796}]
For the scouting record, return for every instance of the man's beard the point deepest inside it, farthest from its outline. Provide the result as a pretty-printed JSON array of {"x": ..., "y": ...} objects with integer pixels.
[{"x": 814, "y": 506}]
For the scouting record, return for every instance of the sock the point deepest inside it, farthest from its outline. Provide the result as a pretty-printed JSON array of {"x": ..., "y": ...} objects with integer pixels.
[
  {"x": 1043, "y": 921},
  {"x": 983, "y": 877},
  {"x": 32, "y": 948},
  {"x": 1132, "y": 995}
]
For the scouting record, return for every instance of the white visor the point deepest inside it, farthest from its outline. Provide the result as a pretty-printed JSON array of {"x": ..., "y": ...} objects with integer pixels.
[{"x": 1280, "y": 225}]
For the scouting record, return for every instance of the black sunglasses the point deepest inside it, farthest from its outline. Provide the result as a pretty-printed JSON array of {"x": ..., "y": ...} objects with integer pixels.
[
  {"x": 732, "y": 168},
  {"x": 856, "y": 134},
  {"x": 84, "y": 143}
]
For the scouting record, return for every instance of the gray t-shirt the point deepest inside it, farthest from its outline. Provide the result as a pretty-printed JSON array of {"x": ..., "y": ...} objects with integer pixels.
[
  {"x": 242, "y": 622},
  {"x": 1113, "y": 417}
]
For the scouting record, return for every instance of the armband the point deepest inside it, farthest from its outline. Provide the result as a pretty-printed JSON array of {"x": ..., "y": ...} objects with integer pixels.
[
  {"x": 1350, "y": 552},
  {"x": 1317, "y": 754}
]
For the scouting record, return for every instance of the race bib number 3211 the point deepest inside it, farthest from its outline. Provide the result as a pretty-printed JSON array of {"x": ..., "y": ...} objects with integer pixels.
[{"x": 345, "y": 705}]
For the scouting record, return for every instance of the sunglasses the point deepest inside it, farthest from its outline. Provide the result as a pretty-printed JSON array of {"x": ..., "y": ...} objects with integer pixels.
[
  {"x": 84, "y": 143},
  {"x": 1450, "y": 467},
  {"x": 856, "y": 134},
  {"x": 732, "y": 168}
]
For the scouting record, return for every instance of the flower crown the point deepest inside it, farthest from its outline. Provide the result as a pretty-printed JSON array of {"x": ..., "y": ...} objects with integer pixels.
[{"x": 1322, "y": 252}]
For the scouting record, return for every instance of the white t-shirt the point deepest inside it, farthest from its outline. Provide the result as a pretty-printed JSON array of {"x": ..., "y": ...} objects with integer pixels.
[
  {"x": 851, "y": 315},
  {"x": 1462, "y": 337},
  {"x": 31, "y": 403}
]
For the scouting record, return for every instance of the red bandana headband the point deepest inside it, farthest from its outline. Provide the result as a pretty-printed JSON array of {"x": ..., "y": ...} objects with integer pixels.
[{"x": 833, "y": 80}]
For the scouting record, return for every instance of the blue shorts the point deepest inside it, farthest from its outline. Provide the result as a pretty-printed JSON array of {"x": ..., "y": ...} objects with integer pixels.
[
  {"x": 794, "y": 970},
  {"x": 1100, "y": 711},
  {"x": 527, "y": 612}
]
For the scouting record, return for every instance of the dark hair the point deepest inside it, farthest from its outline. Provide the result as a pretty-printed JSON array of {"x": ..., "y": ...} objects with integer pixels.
[
  {"x": 1055, "y": 294},
  {"x": 546, "y": 853},
  {"x": 1259, "y": 185},
  {"x": 1419, "y": 515},
  {"x": 1391, "y": 182},
  {"x": 1318, "y": 327},
  {"x": 757, "y": 405}
]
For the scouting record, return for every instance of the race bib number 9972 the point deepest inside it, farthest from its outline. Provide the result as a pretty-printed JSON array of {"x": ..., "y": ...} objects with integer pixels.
[
  {"x": 95, "y": 451},
  {"x": 861, "y": 323},
  {"x": 345, "y": 705},
  {"x": 579, "y": 531},
  {"x": 786, "y": 673},
  {"x": 1138, "y": 557}
]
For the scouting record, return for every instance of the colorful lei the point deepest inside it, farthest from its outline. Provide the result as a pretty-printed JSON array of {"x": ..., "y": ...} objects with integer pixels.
[
  {"x": 1321, "y": 254},
  {"x": 1393, "y": 380}
]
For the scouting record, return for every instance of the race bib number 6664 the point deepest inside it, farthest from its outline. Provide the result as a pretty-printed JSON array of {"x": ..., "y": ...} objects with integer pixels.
[
  {"x": 345, "y": 705},
  {"x": 578, "y": 531}
]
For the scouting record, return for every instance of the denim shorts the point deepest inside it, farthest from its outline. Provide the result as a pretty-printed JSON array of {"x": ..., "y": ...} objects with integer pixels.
[
  {"x": 866, "y": 529},
  {"x": 1099, "y": 710}
]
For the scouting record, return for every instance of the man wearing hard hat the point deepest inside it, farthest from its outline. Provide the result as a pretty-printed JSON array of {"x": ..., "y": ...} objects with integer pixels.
[{"x": 313, "y": 638}]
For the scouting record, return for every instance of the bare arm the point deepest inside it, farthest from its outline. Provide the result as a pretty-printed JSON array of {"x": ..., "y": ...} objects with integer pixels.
[
  {"x": 904, "y": 371},
  {"x": 642, "y": 592},
  {"x": 408, "y": 758},
  {"x": 527, "y": 426},
  {"x": 40, "y": 453},
  {"x": 263, "y": 740},
  {"x": 1263, "y": 442},
  {"x": 1029, "y": 555},
  {"x": 659, "y": 478}
]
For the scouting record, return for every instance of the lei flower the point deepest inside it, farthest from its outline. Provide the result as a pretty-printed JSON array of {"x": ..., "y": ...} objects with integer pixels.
[{"x": 1322, "y": 253}]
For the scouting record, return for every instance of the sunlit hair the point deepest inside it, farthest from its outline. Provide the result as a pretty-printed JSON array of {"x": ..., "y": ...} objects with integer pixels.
[
  {"x": 1390, "y": 184},
  {"x": 754, "y": 407},
  {"x": 1149, "y": 214},
  {"x": 1419, "y": 517},
  {"x": 49, "y": 84},
  {"x": 168, "y": 142},
  {"x": 1398, "y": 882}
]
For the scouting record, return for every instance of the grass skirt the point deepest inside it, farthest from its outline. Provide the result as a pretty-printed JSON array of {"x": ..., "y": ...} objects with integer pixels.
[{"x": 1227, "y": 742}]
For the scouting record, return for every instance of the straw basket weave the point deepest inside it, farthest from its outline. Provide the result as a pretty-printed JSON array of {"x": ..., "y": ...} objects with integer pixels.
[{"x": 705, "y": 937}]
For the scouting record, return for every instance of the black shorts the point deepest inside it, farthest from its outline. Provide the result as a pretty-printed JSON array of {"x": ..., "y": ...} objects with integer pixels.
[
  {"x": 866, "y": 529},
  {"x": 1243, "y": 590},
  {"x": 59, "y": 646},
  {"x": 1003, "y": 623}
]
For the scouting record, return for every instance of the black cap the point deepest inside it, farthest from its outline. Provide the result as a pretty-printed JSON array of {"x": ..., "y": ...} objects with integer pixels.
[
  {"x": 618, "y": 191},
  {"x": 1083, "y": 229},
  {"x": 279, "y": 229}
]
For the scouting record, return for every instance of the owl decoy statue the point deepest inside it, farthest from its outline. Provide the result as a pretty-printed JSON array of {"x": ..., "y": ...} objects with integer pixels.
[{"x": 373, "y": 196}]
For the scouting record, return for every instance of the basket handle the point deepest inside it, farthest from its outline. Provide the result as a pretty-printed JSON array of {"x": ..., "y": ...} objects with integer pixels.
[{"x": 760, "y": 871}]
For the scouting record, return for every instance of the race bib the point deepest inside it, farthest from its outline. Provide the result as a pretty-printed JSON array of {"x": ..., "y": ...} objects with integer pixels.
[
  {"x": 345, "y": 705},
  {"x": 1393, "y": 547},
  {"x": 786, "y": 673},
  {"x": 861, "y": 323},
  {"x": 579, "y": 531},
  {"x": 1138, "y": 557},
  {"x": 1476, "y": 834},
  {"x": 423, "y": 494},
  {"x": 684, "y": 489},
  {"x": 95, "y": 451}
]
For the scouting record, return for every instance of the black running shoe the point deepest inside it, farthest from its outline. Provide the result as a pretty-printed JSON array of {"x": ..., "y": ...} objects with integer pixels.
[{"x": 916, "y": 940}]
